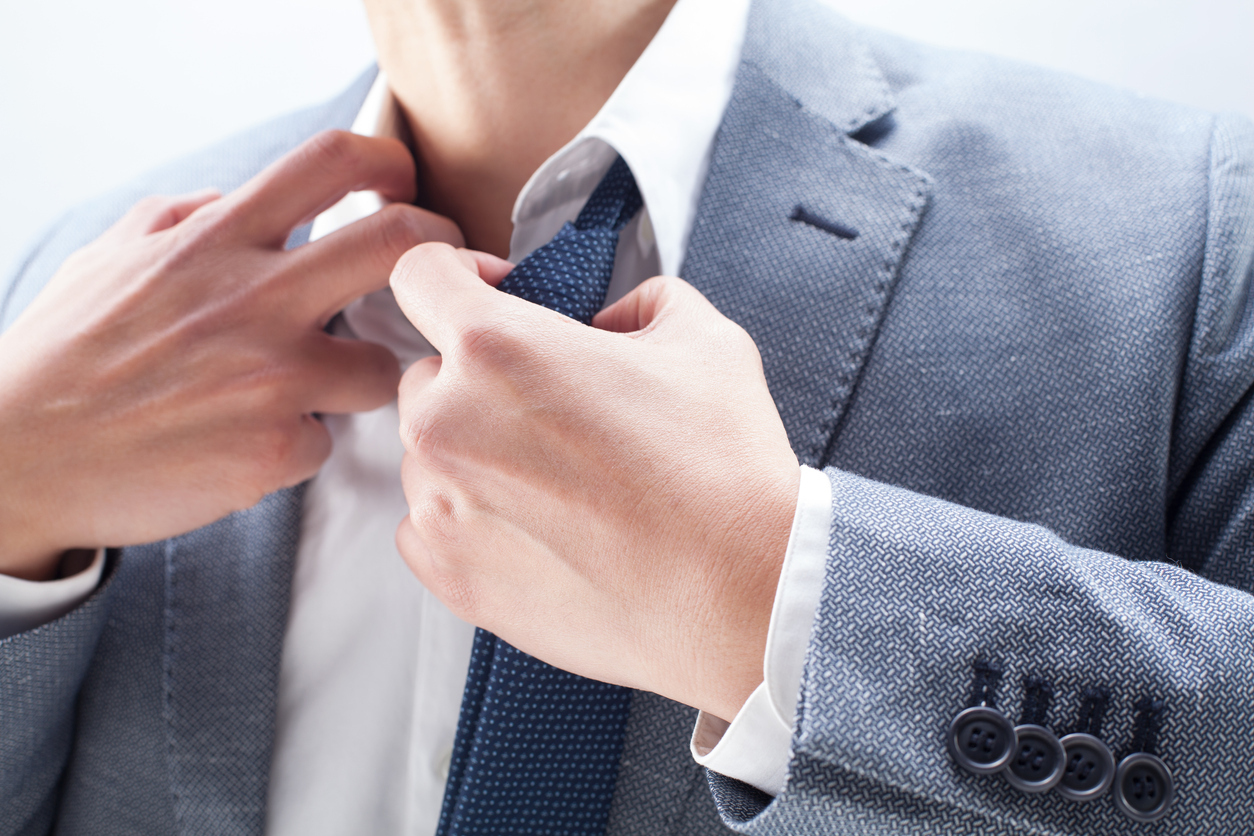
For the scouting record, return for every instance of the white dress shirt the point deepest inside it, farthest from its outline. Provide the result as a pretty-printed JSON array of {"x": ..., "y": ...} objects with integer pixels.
[{"x": 373, "y": 665}]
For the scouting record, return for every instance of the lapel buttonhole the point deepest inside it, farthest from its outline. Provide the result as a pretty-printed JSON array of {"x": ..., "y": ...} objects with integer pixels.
[{"x": 805, "y": 216}]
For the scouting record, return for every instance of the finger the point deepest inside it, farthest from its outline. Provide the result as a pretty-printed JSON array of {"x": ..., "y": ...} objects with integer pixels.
[
  {"x": 417, "y": 556},
  {"x": 490, "y": 268},
  {"x": 315, "y": 176},
  {"x": 653, "y": 302},
  {"x": 359, "y": 258},
  {"x": 160, "y": 212},
  {"x": 412, "y": 397},
  {"x": 184, "y": 206},
  {"x": 349, "y": 375},
  {"x": 414, "y": 383},
  {"x": 428, "y": 544},
  {"x": 411, "y": 547},
  {"x": 442, "y": 296},
  {"x": 310, "y": 447}
]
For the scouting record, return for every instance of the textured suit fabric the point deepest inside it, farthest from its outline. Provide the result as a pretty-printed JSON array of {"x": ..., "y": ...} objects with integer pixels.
[
  {"x": 134, "y": 745},
  {"x": 1027, "y": 375},
  {"x": 1064, "y": 352}
]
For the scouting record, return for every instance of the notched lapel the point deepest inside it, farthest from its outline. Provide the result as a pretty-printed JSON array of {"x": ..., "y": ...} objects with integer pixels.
[
  {"x": 811, "y": 299},
  {"x": 226, "y": 612}
]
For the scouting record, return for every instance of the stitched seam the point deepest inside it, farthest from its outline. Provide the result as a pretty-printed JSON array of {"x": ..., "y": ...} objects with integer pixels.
[
  {"x": 875, "y": 311},
  {"x": 984, "y": 684},
  {"x": 1038, "y": 694},
  {"x": 1149, "y": 716},
  {"x": 177, "y": 799},
  {"x": 1093, "y": 705}
]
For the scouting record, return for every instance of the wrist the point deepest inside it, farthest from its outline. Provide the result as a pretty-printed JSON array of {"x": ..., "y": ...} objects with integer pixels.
[
  {"x": 25, "y": 552},
  {"x": 29, "y": 548},
  {"x": 749, "y": 596}
]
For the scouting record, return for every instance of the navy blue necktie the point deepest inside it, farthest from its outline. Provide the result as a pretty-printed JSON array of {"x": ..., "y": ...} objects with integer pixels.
[{"x": 537, "y": 748}]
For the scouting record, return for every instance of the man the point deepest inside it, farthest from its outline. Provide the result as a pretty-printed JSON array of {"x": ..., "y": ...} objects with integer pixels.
[{"x": 963, "y": 286}]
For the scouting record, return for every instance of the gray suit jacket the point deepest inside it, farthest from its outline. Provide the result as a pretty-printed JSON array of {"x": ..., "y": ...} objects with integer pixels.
[{"x": 1023, "y": 348}]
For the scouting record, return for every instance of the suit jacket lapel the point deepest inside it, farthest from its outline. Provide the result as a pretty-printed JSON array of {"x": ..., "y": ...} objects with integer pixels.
[
  {"x": 227, "y": 589},
  {"x": 227, "y": 592},
  {"x": 801, "y": 229},
  {"x": 812, "y": 298}
]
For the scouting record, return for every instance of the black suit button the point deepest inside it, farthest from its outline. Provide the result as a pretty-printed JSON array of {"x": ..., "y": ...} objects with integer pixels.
[
  {"x": 981, "y": 740},
  {"x": 1089, "y": 769},
  {"x": 1143, "y": 787},
  {"x": 1037, "y": 762}
]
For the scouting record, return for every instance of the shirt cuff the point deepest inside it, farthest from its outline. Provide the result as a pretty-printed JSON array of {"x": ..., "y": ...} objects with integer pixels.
[
  {"x": 25, "y": 605},
  {"x": 756, "y": 745}
]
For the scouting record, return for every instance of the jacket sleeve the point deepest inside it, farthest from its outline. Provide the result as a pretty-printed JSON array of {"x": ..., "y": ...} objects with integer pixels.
[
  {"x": 41, "y": 671},
  {"x": 919, "y": 592}
]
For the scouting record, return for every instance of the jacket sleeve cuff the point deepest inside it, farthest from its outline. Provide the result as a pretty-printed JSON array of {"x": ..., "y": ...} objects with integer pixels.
[
  {"x": 24, "y": 605},
  {"x": 755, "y": 746}
]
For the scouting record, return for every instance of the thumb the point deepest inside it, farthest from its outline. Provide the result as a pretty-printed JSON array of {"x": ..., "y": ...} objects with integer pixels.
[
  {"x": 441, "y": 292},
  {"x": 490, "y": 268},
  {"x": 650, "y": 306}
]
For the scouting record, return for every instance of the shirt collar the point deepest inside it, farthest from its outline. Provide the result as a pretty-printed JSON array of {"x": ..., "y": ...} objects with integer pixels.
[{"x": 662, "y": 119}]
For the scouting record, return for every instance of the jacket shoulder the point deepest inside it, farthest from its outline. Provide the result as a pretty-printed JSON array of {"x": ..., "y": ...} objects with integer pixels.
[
  {"x": 224, "y": 166},
  {"x": 1036, "y": 106}
]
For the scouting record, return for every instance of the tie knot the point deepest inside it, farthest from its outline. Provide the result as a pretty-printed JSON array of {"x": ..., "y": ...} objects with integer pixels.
[
  {"x": 614, "y": 202},
  {"x": 571, "y": 273}
]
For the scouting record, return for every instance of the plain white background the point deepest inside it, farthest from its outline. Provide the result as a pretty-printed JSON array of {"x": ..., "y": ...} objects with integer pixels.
[{"x": 92, "y": 92}]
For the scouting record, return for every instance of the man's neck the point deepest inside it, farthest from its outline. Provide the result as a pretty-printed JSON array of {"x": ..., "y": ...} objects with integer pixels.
[{"x": 491, "y": 89}]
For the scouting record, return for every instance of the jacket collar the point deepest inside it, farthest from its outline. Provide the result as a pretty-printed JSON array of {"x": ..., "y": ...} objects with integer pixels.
[{"x": 820, "y": 60}]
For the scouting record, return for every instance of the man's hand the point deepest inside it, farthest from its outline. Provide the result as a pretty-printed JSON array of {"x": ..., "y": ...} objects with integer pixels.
[
  {"x": 614, "y": 500},
  {"x": 170, "y": 371}
]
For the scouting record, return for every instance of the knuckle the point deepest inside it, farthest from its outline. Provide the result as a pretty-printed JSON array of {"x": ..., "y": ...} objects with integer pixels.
[
  {"x": 434, "y": 516},
  {"x": 428, "y": 440},
  {"x": 488, "y": 340},
  {"x": 745, "y": 351},
  {"x": 336, "y": 149},
  {"x": 418, "y": 429},
  {"x": 83, "y": 260},
  {"x": 191, "y": 248},
  {"x": 153, "y": 212},
  {"x": 187, "y": 245},
  {"x": 400, "y": 229}
]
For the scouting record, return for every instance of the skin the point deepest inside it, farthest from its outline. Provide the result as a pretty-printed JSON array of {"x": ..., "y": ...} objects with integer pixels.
[
  {"x": 168, "y": 373},
  {"x": 628, "y": 517},
  {"x": 492, "y": 89},
  {"x": 614, "y": 499}
]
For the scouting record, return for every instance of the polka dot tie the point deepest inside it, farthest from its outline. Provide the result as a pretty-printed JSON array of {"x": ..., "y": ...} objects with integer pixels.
[{"x": 537, "y": 748}]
